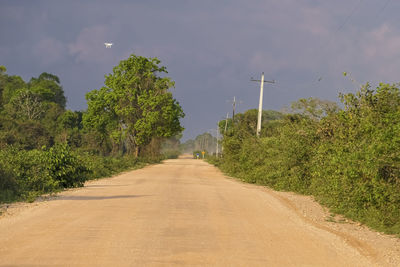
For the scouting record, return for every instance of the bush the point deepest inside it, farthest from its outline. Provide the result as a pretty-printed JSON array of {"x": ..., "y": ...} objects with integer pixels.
[
  {"x": 348, "y": 159},
  {"x": 65, "y": 167},
  {"x": 28, "y": 174},
  {"x": 171, "y": 154},
  {"x": 100, "y": 166}
]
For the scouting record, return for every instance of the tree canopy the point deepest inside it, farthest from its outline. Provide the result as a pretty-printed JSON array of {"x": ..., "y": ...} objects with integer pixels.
[
  {"x": 134, "y": 106},
  {"x": 29, "y": 110}
]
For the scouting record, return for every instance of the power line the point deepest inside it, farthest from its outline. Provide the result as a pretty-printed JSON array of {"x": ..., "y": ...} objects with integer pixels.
[
  {"x": 349, "y": 16},
  {"x": 383, "y": 8},
  {"x": 333, "y": 36},
  {"x": 341, "y": 26}
]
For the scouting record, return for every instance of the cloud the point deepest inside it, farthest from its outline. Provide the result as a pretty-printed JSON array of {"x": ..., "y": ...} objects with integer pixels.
[
  {"x": 49, "y": 51},
  {"x": 315, "y": 21},
  {"x": 89, "y": 44},
  {"x": 210, "y": 48},
  {"x": 381, "y": 51},
  {"x": 382, "y": 42}
]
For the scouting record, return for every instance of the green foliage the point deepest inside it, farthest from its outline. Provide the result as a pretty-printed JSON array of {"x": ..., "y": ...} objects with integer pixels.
[
  {"x": 171, "y": 154},
  {"x": 358, "y": 158},
  {"x": 170, "y": 148},
  {"x": 47, "y": 87},
  {"x": 202, "y": 142},
  {"x": 26, "y": 174},
  {"x": 29, "y": 111},
  {"x": 34, "y": 172},
  {"x": 45, "y": 148},
  {"x": 314, "y": 108},
  {"x": 100, "y": 166},
  {"x": 11, "y": 84},
  {"x": 65, "y": 167},
  {"x": 69, "y": 128},
  {"x": 134, "y": 107},
  {"x": 348, "y": 159},
  {"x": 25, "y": 134},
  {"x": 213, "y": 159},
  {"x": 26, "y": 105}
]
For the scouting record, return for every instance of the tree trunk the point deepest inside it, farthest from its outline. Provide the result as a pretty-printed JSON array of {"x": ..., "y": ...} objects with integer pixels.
[{"x": 137, "y": 151}]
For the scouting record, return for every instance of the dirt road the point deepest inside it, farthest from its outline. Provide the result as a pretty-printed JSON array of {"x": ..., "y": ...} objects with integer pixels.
[{"x": 183, "y": 212}]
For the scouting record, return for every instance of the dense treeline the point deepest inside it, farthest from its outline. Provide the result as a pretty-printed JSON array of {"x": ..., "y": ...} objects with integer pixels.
[
  {"x": 203, "y": 142},
  {"x": 44, "y": 147},
  {"x": 349, "y": 158}
]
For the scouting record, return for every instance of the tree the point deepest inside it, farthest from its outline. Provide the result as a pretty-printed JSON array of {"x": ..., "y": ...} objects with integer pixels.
[
  {"x": 11, "y": 85},
  {"x": 134, "y": 106},
  {"x": 3, "y": 76},
  {"x": 69, "y": 125},
  {"x": 188, "y": 146},
  {"x": 48, "y": 87},
  {"x": 26, "y": 105},
  {"x": 100, "y": 119},
  {"x": 29, "y": 111},
  {"x": 314, "y": 108}
]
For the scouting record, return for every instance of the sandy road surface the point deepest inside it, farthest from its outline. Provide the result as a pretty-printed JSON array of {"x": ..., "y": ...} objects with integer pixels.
[{"x": 182, "y": 212}]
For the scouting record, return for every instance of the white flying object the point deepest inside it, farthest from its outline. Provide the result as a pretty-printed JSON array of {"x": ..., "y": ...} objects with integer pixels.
[{"x": 108, "y": 45}]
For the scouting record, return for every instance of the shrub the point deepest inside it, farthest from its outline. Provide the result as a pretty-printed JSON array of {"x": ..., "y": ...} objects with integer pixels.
[
  {"x": 348, "y": 159},
  {"x": 25, "y": 174},
  {"x": 65, "y": 167}
]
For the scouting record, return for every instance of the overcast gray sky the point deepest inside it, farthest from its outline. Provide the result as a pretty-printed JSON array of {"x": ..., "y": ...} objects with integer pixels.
[{"x": 210, "y": 48}]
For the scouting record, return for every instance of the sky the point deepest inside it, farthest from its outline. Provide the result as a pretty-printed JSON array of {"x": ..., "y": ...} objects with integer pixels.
[{"x": 211, "y": 48}]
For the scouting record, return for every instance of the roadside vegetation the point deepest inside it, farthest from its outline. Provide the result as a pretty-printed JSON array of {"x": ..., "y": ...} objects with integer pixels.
[
  {"x": 132, "y": 120},
  {"x": 348, "y": 159},
  {"x": 203, "y": 142}
]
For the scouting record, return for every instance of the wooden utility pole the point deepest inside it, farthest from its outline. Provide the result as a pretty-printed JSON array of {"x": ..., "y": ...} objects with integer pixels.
[
  {"x": 226, "y": 123},
  {"x": 234, "y": 108},
  {"x": 217, "y": 152},
  {"x": 261, "y": 100}
]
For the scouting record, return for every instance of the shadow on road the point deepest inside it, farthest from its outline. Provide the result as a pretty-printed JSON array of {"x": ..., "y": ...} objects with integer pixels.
[
  {"x": 105, "y": 185},
  {"x": 100, "y": 197}
]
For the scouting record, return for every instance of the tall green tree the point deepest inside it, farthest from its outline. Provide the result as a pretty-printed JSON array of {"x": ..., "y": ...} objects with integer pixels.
[
  {"x": 11, "y": 85},
  {"x": 2, "y": 83},
  {"x": 48, "y": 87},
  {"x": 26, "y": 105},
  {"x": 29, "y": 111},
  {"x": 314, "y": 108},
  {"x": 134, "y": 106}
]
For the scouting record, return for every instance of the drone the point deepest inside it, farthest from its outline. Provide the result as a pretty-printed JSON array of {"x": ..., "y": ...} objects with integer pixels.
[{"x": 108, "y": 45}]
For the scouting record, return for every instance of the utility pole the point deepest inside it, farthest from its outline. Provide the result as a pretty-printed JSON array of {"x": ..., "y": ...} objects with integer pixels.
[
  {"x": 226, "y": 123},
  {"x": 234, "y": 103},
  {"x": 234, "y": 107},
  {"x": 206, "y": 142},
  {"x": 226, "y": 126},
  {"x": 261, "y": 100},
  {"x": 217, "y": 141}
]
